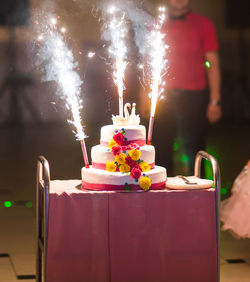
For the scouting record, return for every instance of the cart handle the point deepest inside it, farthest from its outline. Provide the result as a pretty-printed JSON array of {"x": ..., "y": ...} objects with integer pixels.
[
  {"x": 216, "y": 178},
  {"x": 42, "y": 216},
  {"x": 43, "y": 182},
  {"x": 43, "y": 171},
  {"x": 216, "y": 171}
]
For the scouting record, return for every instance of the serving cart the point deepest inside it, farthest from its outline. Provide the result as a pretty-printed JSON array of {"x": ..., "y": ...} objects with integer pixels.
[{"x": 108, "y": 256}]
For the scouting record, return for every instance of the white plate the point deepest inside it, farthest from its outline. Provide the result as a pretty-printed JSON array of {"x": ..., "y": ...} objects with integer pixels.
[{"x": 177, "y": 183}]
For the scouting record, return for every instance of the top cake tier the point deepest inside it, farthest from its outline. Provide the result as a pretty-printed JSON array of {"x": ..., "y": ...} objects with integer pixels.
[{"x": 133, "y": 134}]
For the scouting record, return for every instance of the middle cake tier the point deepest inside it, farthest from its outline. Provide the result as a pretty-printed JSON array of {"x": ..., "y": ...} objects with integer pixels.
[{"x": 100, "y": 155}]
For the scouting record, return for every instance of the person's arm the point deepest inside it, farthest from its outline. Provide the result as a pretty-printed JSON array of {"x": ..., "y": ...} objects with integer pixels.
[{"x": 214, "y": 83}]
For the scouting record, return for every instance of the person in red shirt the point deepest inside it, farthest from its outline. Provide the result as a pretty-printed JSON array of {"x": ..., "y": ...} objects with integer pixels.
[{"x": 193, "y": 94}]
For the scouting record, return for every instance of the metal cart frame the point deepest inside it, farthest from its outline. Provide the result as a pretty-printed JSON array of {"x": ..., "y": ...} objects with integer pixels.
[
  {"x": 42, "y": 216},
  {"x": 216, "y": 177},
  {"x": 42, "y": 209}
]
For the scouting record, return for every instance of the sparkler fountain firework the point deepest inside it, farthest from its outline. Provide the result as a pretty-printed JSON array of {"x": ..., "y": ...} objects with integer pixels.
[
  {"x": 116, "y": 31},
  {"x": 157, "y": 63},
  {"x": 59, "y": 66}
]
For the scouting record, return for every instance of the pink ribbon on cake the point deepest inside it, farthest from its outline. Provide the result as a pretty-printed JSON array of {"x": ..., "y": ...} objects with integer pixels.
[
  {"x": 103, "y": 166},
  {"x": 112, "y": 187},
  {"x": 125, "y": 143}
]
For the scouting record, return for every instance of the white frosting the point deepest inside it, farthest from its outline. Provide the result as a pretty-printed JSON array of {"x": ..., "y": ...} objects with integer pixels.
[
  {"x": 101, "y": 154},
  {"x": 132, "y": 132},
  {"x": 98, "y": 176}
]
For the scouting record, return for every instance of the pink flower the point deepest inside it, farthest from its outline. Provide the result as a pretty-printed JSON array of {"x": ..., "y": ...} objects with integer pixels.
[
  {"x": 135, "y": 173},
  {"x": 132, "y": 163},
  {"x": 118, "y": 137},
  {"x": 134, "y": 146},
  {"x": 116, "y": 150}
]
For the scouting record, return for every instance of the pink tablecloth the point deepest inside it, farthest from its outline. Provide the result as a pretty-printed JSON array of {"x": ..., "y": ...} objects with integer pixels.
[{"x": 157, "y": 236}]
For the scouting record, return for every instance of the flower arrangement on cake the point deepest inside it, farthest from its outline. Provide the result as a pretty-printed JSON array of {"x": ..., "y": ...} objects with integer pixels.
[{"x": 127, "y": 160}]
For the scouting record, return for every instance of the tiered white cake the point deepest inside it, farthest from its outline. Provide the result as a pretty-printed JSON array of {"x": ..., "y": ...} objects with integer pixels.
[{"x": 123, "y": 161}]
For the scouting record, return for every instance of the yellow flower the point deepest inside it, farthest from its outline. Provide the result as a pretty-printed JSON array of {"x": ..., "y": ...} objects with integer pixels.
[
  {"x": 135, "y": 154},
  {"x": 124, "y": 168},
  {"x": 145, "y": 166},
  {"x": 145, "y": 183},
  {"x": 111, "y": 166},
  {"x": 121, "y": 158},
  {"x": 112, "y": 143}
]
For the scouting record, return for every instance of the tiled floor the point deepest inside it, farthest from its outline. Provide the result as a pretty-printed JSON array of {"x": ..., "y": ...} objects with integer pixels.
[
  {"x": 236, "y": 251},
  {"x": 17, "y": 174},
  {"x": 17, "y": 247}
]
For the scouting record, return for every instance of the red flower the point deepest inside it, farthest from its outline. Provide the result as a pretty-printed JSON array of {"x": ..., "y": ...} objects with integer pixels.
[
  {"x": 135, "y": 173},
  {"x": 129, "y": 161},
  {"x": 116, "y": 150},
  {"x": 132, "y": 163},
  {"x": 136, "y": 165},
  {"x": 118, "y": 137}
]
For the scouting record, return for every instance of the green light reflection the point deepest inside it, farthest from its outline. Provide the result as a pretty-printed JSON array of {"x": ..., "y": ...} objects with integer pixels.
[
  {"x": 207, "y": 64},
  {"x": 223, "y": 191},
  {"x": 7, "y": 204},
  {"x": 176, "y": 146},
  {"x": 29, "y": 205},
  {"x": 184, "y": 159}
]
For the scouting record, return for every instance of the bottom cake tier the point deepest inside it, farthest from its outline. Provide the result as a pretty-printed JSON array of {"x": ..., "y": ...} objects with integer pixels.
[{"x": 101, "y": 180}]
